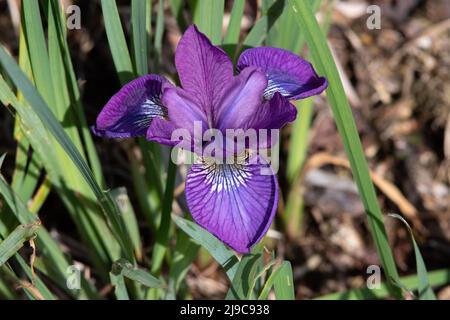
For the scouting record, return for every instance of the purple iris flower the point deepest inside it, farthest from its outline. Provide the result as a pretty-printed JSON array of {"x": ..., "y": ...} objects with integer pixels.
[{"x": 235, "y": 202}]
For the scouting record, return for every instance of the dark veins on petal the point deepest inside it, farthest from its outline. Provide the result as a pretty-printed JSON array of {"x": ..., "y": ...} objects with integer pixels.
[{"x": 149, "y": 109}]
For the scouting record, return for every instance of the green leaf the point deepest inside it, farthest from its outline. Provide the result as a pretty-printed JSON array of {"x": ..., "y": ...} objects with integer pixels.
[
  {"x": 117, "y": 42},
  {"x": 6, "y": 291},
  {"x": 282, "y": 276},
  {"x": 234, "y": 26},
  {"x": 224, "y": 256},
  {"x": 57, "y": 164},
  {"x": 162, "y": 235},
  {"x": 49, "y": 248},
  {"x": 242, "y": 284},
  {"x": 38, "y": 283},
  {"x": 436, "y": 278},
  {"x": 126, "y": 269},
  {"x": 177, "y": 7},
  {"x": 269, "y": 284},
  {"x": 159, "y": 32},
  {"x": 283, "y": 283},
  {"x": 120, "y": 289},
  {"x": 184, "y": 254},
  {"x": 58, "y": 15},
  {"x": 37, "y": 50},
  {"x": 16, "y": 239},
  {"x": 120, "y": 197},
  {"x": 46, "y": 116},
  {"x": 347, "y": 129},
  {"x": 208, "y": 16},
  {"x": 139, "y": 27},
  {"x": 424, "y": 288},
  {"x": 150, "y": 190},
  {"x": 2, "y": 159},
  {"x": 259, "y": 32},
  {"x": 262, "y": 273}
]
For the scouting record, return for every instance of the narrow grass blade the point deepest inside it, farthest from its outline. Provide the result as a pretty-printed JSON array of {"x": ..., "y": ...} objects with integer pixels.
[
  {"x": 120, "y": 289},
  {"x": 162, "y": 235},
  {"x": 234, "y": 26},
  {"x": 296, "y": 159},
  {"x": 128, "y": 270},
  {"x": 177, "y": 7},
  {"x": 259, "y": 32},
  {"x": 49, "y": 248},
  {"x": 64, "y": 174},
  {"x": 286, "y": 34},
  {"x": 261, "y": 276},
  {"x": 184, "y": 254},
  {"x": 159, "y": 31},
  {"x": 241, "y": 286},
  {"x": 47, "y": 148},
  {"x": 348, "y": 132},
  {"x": 26, "y": 167},
  {"x": 283, "y": 284},
  {"x": 424, "y": 289},
  {"x": 224, "y": 256},
  {"x": 63, "y": 111},
  {"x": 140, "y": 37},
  {"x": 436, "y": 278},
  {"x": 264, "y": 294},
  {"x": 16, "y": 239},
  {"x": 75, "y": 98},
  {"x": 146, "y": 199},
  {"x": 41, "y": 109},
  {"x": 299, "y": 138},
  {"x": 6, "y": 292},
  {"x": 117, "y": 42},
  {"x": 6, "y": 273},
  {"x": 122, "y": 61},
  {"x": 120, "y": 197},
  {"x": 37, "y": 50},
  {"x": 208, "y": 16},
  {"x": 38, "y": 289}
]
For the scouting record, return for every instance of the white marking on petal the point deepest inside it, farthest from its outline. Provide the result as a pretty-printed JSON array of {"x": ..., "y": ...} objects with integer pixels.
[{"x": 225, "y": 177}]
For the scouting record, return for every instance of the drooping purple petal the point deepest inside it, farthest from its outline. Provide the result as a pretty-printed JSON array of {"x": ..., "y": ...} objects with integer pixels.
[
  {"x": 130, "y": 111},
  {"x": 160, "y": 130},
  {"x": 273, "y": 114},
  {"x": 182, "y": 113},
  {"x": 288, "y": 74},
  {"x": 204, "y": 70},
  {"x": 242, "y": 101},
  {"x": 234, "y": 202}
]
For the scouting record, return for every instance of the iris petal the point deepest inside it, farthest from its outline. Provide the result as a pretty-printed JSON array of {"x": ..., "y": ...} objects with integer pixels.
[
  {"x": 273, "y": 114},
  {"x": 287, "y": 73},
  {"x": 204, "y": 69},
  {"x": 130, "y": 111},
  {"x": 235, "y": 202},
  {"x": 243, "y": 99},
  {"x": 182, "y": 113}
]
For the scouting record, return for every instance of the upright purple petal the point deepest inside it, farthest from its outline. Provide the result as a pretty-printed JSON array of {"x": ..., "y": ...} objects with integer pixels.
[
  {"x": 234, "y": 202},
  {"x": 130, "y": 111},
  {"x": 204, "y": 70},
  {"x": 288, "y": 74},
  {"x": 242, "y": 101}
]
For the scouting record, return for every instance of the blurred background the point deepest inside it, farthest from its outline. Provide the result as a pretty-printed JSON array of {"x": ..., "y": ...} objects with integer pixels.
[{"x": 397, "y": 79}]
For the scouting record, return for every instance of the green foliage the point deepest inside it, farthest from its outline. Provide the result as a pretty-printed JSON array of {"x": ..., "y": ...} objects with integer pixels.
[
  {"x": 56, "y": 153},
  {"x": 348, "y": 132}
]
